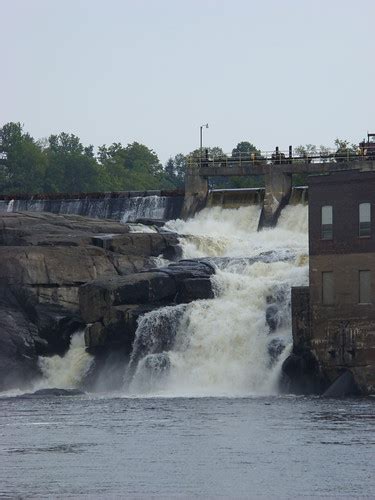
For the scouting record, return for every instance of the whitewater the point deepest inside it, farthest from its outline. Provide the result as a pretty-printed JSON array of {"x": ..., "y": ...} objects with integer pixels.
[{"x": 223, "y": 346}]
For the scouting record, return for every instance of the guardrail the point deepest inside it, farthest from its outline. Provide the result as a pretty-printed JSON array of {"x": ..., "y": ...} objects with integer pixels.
[{"x": 276, "y": 157}]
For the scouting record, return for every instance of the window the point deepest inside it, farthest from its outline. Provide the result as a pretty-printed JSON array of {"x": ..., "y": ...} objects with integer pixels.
[
  {"x": 327, "y": 288},
  {"x": 327, "y": 227},
  {"x": 364, "y": 220},
  {"x": 365, "y": 287}
]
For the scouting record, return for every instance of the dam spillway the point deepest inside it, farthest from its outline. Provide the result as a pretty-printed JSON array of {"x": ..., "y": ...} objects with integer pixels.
[
  {"x": 122, "y": 206},
  {"x": 137, "y": 205}
]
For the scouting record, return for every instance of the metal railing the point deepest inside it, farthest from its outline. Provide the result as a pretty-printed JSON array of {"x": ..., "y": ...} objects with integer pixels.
[{"x": 276, "y": 157}]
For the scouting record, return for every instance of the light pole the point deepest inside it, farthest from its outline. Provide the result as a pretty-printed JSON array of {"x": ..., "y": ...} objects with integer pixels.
[{"x": 201, "y": 137}]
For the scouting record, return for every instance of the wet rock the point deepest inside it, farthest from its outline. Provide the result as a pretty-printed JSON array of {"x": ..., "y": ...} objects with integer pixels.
[
  {"x": 98, "y": 296},
  {"x": 302, "y": 374},
  {"x": 150, "y": 222},
  {"x": 158, "y": 286},
  {"x": 139, "y": 244},
  {"x": 273, "y": 317},
  {"x": 116, "y": 331},
  {"x": 275, "y": 347},
  {"x": 18, "y": 343},
  {"x": 54, "y": 392},
  {"x": 345, "y": 385},
  {"x": 56, "y": 325},
  {"x": 194, "y": 289},
  {"x": 157, "y": 363}
]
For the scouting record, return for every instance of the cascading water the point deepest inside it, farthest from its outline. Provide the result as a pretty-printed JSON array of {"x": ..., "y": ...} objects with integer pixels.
[
  {"x": 124, "y": 207},
  {"x": 147, "y": 207},
  {"x": 66, "y": 371},
  {"x": 10, "y": 206},
  {"x": 225, "y": 346}
]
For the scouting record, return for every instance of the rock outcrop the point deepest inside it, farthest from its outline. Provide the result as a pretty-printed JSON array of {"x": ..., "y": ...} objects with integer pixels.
[
  {"x": 44, "y": 259},
  {"x": 112, "y": 306}
]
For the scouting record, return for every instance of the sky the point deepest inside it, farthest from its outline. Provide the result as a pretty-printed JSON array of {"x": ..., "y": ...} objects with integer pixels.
[{"x": 273, "y": 72}]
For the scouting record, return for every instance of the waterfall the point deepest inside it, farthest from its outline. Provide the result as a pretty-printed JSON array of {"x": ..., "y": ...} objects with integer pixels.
[
  {"x": 235, "y": 343},
  {"x": 10, "y": 206},
  {"x": 66, "y": 371},
  {"x": 145, "y": 207},
  {"x": 156, "y": 334},
  {"x": 125, "y": 207}
]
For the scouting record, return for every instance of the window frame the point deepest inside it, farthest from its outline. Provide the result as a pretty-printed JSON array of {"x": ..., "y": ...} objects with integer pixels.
[
  {"x": 364, "y": 222},
  {"x": 322, "y": 226}
]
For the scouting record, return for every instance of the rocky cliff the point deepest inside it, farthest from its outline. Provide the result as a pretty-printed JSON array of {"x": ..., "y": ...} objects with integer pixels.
[{"x": 60, "y": 273}]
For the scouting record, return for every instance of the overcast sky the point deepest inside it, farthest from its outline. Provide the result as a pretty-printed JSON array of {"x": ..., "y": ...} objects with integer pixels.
[{"x": 274, "y": 72}]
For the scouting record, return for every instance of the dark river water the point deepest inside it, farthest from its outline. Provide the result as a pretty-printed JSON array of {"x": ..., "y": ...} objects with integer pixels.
[{"x": 93, "y": 447}]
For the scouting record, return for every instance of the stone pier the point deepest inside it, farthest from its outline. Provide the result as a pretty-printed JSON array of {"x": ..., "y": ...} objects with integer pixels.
[
  {"x": 196, "y": 191},
  {"x": 278, "y": 188}
]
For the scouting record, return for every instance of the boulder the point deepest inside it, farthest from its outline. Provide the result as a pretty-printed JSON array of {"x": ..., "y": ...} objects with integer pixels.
[
  {"x": 273, "y": 317},
  {"x": 53, "y": 392},
  {"x": 301, "y": 374},
  {"x": 117, "y": 330},
  {"x": 194, "y": 289},
  {"x": 112, "y": 306},
  {"x": 344, "y": 386},
  {"x": 97, "y": 297}
]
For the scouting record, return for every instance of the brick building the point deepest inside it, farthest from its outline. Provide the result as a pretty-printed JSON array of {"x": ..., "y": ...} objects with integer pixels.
[{"x": 335, "y": 316}]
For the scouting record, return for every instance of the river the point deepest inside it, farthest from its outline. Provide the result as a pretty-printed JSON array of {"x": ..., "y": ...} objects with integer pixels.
[{"x": 112, "y": 447}]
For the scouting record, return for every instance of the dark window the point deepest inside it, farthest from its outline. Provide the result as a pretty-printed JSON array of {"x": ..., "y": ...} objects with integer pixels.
[
  {"x": 327, "y": 288},
  {"x": 365, "y": 287},
  {"x": 365, "y": 220},
  {"x": 327, "y": 219}
]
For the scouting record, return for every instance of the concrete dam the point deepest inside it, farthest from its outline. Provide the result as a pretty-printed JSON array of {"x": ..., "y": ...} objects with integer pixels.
[{"x": 135, "y": 206}]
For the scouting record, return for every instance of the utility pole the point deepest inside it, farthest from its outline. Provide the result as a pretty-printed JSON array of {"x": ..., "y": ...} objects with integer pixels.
[{"x": 201, "y": 138}]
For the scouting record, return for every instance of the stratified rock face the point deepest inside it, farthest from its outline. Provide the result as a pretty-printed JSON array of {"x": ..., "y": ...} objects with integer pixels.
[
  {"x": 44, "y": 259},
  {"x": 18, "y": 339},
  {"x": 55, "y": 254},
  {"x": 112, "y": 306}
]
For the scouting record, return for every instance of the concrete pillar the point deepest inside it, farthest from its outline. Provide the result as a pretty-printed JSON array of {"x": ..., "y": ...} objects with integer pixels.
[
  {"x": 196, "y": 191},
  {"x": 278, "y": 188}
]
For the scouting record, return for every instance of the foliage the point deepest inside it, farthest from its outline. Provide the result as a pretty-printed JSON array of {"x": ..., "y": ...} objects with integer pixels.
[
  {"x": 22, "y": 163},
  {"x": 344, "y": 150},
  {"x": 245, "y": 148},
  {"x": 61, "y": 163},
  {"x": 175, "y": 170},
  {"x": 71, "y": 166}
]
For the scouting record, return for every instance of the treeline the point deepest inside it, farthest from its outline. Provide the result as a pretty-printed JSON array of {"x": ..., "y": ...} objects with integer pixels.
[{"x": 61, "y": 163}]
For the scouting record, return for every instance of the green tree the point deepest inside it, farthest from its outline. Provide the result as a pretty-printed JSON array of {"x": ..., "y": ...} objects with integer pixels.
[
  {"x": 245, "y": 148},
  {"x": 22, "y": 161},
  {"x": 175, "y": 170},
  {"x": 134, "y": 167},
  {"x": 71, "y": 166},
  {"x": 344, "y": 150}
]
